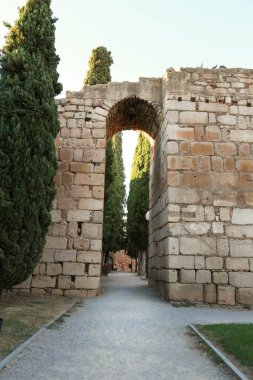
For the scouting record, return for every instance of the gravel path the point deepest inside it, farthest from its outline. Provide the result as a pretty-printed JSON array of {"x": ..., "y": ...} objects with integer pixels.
[{"x": 129, "y": 333}]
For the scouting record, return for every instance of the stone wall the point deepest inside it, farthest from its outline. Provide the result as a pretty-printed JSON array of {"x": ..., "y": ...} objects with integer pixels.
[
  {"x": 207, "y": 254},
  {"x": 201, "y": 194},
  {"x": 71, "y": 260}
]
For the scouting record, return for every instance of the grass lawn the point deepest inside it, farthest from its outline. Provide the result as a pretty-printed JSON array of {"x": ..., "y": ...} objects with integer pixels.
[
  {"x": 24, "y": 315},
  {"x": 233, "y": 339}
]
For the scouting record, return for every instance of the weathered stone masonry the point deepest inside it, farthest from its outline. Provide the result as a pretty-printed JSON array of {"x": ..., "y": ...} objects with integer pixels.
[{"x": 201, "y": 198}]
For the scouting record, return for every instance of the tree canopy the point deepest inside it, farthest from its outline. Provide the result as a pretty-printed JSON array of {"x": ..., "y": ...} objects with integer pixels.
[
  {"x": 28, "y": 127},
  {"x": 99, "y": 67}
]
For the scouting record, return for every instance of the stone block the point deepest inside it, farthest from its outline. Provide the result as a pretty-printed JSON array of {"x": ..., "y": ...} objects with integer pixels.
[
  {"x": 192, "y": 213},
  {"x": 172, "y": 117},
  {"x": 244, "y": 296},
  {"x": 95, "y": 245},
  {"x": 196, "y": 179},
  {"x": 98, "y": 192},
  {"x": 64, "y": 282},
  {"x": 82, "y": 167},
  {"x": 224, "y": 214},
  {"x": 203, "y": 276},
  {"x": 193, "y": 117},
  {"x": 48, "y": 256},
  {"x": 197, "y": 228},
  {"x": 214, "y": 262},
  {"x": 242, "y": 216},
  {"x": 199, "y": 262},
  {"x": 89, "y": 257},
  {"x": 172, "y": 246},
  {"x": 222, "y": 247},
  {"x": 220, "y": 277},
  {"x": 227, "y": 119},
  {"x": 210, "y": 295},
  {"x": 244, "y": 165},
  {"x": 217, "y": 164},
  {"x": 239, "y": 231},
  {"x": 75, "y": 293},
  {"x": 177, "y": 195},
  {"x": 93, "y": 293},
  {"x": 180, "y": 106},
  {"x": 184, "y": 292},
  {"x": 173, "y": 213},
  {"x": 213, "y": 107},
  {"x": 84, "y": 282},
  {"x": 89, "y": 179},
  {"x": 80, "y": 191},
  {"x": 66, "y": 154},
  {"x": 94, "y": 270},
  {"x": 213, "y": 133},
  {"x": 55, "y": 216},
  {"x": 91, "y": 204},
  {"x": 180, "y": 262},
  {"x": 43, "y": 282},
  {"x": 91, "y": 231},
  {"x": 94, "y": 156},
  {"x": 78, "y": 216},
  {"x": 179, "y": 133},
  {"x": 55, "y": 242},
  {"x": 73, "y": 269},
  {"x": 182, "y": 163},
  {"x": 172, "y": 147},
  {"x": 237, "y": 264},
  {"x": 217, "y": 228},
  {"x": 226, "y": 295},
  {"x": 205, "y": 246},
  {"x": 241, "y": 248},
  {"x": 241, "y": 279},
  {"x": 187, "y": 276},
  {"x": 65, "y": 255},
  {"x": 54, "y": 269},
  {"x": 209, "y": 213},
  {"x": 202, "y": 148},
  {"x": 241, "y": 135},
  {"x": 57, "y": 292},
  {"x": 81, "y": 244}
]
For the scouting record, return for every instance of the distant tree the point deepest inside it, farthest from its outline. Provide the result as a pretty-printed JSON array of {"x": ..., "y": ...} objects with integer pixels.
[
  {"x": 138, "y": 199},
  {"x": 113, "y": 228},
  {"x": 99, "y": 67},
  {"x": 28, "y": 126}
]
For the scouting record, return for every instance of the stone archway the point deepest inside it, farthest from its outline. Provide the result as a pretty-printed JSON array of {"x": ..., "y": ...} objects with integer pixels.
[{"x": 201, "y": 209}]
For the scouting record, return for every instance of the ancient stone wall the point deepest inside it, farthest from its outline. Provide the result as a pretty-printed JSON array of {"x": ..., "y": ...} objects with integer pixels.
[
  {"x": 201, "y": 194},
  {"x": 208, "y": 254},
  {"x": 71, "y": 260}
]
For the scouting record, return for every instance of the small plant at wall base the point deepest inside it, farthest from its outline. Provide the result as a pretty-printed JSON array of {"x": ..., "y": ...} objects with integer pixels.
[{"x": 28, "y": 127}]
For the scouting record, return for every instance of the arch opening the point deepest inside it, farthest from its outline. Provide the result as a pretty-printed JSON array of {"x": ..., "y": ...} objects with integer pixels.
[{"x": 134, "y": 114}]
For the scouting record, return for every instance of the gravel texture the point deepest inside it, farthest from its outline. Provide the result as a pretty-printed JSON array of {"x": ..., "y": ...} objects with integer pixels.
[{"x": 128, "y": 333}]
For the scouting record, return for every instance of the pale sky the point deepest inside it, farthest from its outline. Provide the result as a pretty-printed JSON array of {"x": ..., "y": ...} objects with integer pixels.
[{"x": 146, "y": 37}]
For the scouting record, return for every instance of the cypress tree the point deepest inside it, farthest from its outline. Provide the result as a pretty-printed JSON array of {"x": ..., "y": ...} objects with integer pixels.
[
  {"x": 28, "y": 127},
  {"x": 99, "y": 67},
  {"x": 138, "y": 199}
]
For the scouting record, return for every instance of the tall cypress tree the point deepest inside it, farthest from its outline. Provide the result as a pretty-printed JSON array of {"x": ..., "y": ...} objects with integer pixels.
[
  {"x": 138, "y": 199},
  {"x": 28, "y": 127},
  {"x": 113, "y": 224},
  {"x": 99, "y": 67}
]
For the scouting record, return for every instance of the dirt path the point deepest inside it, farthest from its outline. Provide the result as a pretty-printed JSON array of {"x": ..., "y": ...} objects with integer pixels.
[{"x": 128, "y": 333}]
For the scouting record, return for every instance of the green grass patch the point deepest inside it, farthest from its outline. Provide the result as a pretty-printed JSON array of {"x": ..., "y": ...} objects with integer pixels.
[
  {"x": 234, "y": 339},
  {"x": 24, "y": 315}
]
